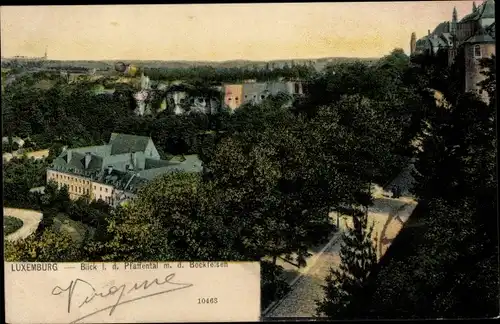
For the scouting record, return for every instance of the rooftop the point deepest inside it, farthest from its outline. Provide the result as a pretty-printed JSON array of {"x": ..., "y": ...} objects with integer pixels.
[
  {"x": 126, "y": 172},
  {"x": 481, "y": 38},
  {"x": 443, "y": 27},
  {"x": 77, "y": 160},
  {"x": 484, "y": 11},
  {"x": 190, "y": 163},
  {"x": 441, "y": 36},
  {"x": 124, "y": 143},
  {"x": 127, "y": 181},
  {"x": 491, "y": 30}
]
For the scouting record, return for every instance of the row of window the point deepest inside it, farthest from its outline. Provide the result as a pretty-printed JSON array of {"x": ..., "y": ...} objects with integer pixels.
[
  {"x": 108, "y": 200},
  {"x": 246, "y": 97},
  {"x": 75, "y": 188},
  {"x": 68, "y": 178},
  {"x": 83, "y": 191},
  {"x": 297, "y": 90},
  {"x": 100, "y": 189},
  {"x": 79, "y": 190}
]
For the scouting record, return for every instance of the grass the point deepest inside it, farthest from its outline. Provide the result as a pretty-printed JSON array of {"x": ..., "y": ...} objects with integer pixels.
[
  {"x": 11, "y": 224},
  {"x": 77, "y": 230},
  {"x": 45, "y": 84}
]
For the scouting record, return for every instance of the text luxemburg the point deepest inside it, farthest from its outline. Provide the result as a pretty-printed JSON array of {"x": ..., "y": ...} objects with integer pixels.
[
  {"x": 86, "y": 266},
  {"x": 34, "y": 266}
]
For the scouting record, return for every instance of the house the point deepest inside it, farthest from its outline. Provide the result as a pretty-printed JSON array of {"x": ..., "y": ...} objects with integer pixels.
[
  {"x": 474, "y": 34},
  {"x": 115, "y": 171},
  {"x": 236, "y": 95}
]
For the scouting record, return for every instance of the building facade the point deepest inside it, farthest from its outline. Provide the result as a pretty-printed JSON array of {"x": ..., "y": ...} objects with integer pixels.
[
  {"x": 233, "y": 94},
  {"x": 479, "y": 46},
  {"x": 115, "y": 171},
  {"x": 474, "y": 34},
  {"x": 236, "y": 95}
]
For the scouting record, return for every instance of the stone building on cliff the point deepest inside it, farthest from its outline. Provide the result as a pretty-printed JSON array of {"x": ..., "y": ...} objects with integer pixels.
[{"x": 474, "y": 34}]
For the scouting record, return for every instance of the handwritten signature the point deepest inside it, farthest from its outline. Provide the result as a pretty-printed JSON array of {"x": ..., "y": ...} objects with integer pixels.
[{"x": 86, "y": 288}]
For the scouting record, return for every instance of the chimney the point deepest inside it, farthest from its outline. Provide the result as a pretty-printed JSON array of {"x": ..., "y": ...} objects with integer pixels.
[
  {"x": 87, "y": 159},
  {"x": 110, "y": 169},
  {"x": 139, "y": 160},
  {"x": 132, "y": 160}
]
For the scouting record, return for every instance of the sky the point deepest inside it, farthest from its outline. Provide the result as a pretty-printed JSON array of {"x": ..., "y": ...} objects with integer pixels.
[{"x": 219, "y": 32}]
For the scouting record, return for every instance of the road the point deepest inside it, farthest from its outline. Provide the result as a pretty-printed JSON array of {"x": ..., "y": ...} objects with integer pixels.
[
  {"x": 388, "y": 216},
  {"x": 31, "y": 219}
]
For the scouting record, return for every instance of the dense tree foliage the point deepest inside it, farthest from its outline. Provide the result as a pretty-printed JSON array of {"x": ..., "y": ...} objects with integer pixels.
[
  {"x": 358, "y": 256},
  {"x": 50, "y": 246},
  {"x": 449, "y": 264},
  {"x": 273, "y": 172},
  {"x": 19, "y": 176},
  {"x": 215, "y": 75},
  {"x": 59, "y": 114},
  {"x": 279, "y": 170},
  {"x": 11, "y": 224}
]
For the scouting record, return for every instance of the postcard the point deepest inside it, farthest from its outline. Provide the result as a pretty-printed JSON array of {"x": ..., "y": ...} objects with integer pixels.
[
  {"x": 249, "y": 161},
  {"x": 152, "y": 292}
]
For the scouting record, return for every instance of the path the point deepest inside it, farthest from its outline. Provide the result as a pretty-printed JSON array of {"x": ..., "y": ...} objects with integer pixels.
[
  {"x": 37, "y": 155},
  {"x": 388, "y": 215},
  {"x": 31, "y": 219},
  {"x": 291, "y": 271}
]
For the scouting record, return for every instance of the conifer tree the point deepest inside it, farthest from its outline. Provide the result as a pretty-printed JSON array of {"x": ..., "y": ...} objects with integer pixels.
[{"x": 358, "y": 256}]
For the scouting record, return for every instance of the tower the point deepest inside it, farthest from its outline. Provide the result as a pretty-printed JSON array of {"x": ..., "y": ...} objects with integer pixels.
[
  {"x": 413, "y": 43},
  {"x": 452, "y": 52},
  {"x": 474, "y": 8},
  {"x": 453, "y": 27},
  {"x": 481, "y": 46},
  {"x": 45, "y": 55}
]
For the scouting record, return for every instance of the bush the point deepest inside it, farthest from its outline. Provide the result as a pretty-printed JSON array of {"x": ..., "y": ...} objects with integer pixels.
[
  {"x": 32, "y": 201},
  {"x": 11, "y": 224},
  {"x": 49, "y": 246}
]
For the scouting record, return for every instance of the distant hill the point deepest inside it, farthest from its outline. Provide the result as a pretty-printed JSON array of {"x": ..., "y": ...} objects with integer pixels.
[
  {"x": 242, "y": 63},
  {"x": 319, "y": 63}
]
